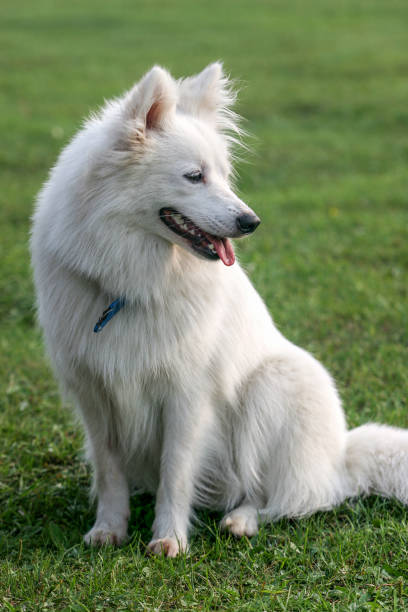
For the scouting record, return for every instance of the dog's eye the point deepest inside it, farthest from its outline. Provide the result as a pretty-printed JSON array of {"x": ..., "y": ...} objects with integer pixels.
[{"x": 194, "y": 177}]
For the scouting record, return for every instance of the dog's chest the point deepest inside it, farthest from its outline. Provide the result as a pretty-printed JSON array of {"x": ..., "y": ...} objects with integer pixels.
[{"x": 167, "y": 340}]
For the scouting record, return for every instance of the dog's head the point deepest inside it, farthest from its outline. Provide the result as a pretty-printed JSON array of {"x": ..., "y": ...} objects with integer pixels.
[{"x": 173, "y": 139}]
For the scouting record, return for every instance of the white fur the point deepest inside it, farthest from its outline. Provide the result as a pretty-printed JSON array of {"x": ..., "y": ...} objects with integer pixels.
[{"x": 190, "y": 392}]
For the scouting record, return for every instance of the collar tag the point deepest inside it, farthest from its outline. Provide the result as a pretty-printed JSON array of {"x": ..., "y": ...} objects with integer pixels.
[{"x": 107, "y": 314}]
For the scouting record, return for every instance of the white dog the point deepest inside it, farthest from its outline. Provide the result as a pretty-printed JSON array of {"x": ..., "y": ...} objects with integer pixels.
[{"x": 188, "y": 390}]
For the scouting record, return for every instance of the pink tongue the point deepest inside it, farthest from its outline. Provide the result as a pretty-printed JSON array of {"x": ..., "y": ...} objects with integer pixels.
[{"x": 224, "y": 250}]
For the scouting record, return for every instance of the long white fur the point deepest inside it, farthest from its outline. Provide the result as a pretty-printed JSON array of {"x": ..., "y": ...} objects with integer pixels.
[{"x": 190, "y": 392}]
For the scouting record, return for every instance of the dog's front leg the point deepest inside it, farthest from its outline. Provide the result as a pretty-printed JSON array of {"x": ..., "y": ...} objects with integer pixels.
[
  {"x": 185, "y": 427},
  {"x": 110, "y": 484},
  {"x": 112, "y": 492}
]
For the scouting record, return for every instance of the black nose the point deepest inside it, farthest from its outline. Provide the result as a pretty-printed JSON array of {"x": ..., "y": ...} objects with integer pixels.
[{"x": 247, "y": 223}]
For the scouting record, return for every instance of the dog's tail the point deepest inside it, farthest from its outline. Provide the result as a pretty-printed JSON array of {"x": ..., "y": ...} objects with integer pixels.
[{"x": 377, "y": 461}]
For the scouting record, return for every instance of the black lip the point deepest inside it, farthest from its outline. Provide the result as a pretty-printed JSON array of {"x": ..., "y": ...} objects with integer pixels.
[{"x": 197, "y": 243}]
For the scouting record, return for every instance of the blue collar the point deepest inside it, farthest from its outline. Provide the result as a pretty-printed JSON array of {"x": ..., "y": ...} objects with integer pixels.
[{"x": 107, "y": 314}]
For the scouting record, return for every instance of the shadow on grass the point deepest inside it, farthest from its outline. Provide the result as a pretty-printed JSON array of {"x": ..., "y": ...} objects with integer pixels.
[{"x": 51, "y": 513}]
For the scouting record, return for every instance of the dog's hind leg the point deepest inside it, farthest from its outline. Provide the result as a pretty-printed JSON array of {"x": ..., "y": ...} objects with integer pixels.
[
  {"x": 110, "y": 486},
  {"x": 290, "y": 437},
  {"x": 243, "y": 521}
]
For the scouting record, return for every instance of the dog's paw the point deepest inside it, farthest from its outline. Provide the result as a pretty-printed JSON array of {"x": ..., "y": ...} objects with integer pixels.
[
  {"x": 170, "y": 546},
  {"x": 103, "y": 533},
  {"x": 241, "y": 522}
]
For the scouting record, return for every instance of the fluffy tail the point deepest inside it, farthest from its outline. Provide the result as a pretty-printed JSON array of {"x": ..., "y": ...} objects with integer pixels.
[{"x": 377, "y": 461}]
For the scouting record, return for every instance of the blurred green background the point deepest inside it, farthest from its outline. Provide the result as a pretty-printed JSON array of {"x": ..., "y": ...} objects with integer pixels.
[{"x": 324, "y": 90}]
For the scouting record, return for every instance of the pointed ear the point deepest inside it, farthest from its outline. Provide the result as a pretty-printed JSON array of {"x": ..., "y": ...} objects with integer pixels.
[
  {"x": 206, "y": 94},
  {"x": 152, "y": 101}
]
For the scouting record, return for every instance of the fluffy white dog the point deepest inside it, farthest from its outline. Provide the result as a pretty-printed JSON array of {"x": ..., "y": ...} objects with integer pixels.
[{"x": 187, "y": 389}]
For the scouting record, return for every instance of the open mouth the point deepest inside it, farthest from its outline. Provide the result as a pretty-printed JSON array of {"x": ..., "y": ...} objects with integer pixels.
[{"x": 207, "y": 245}]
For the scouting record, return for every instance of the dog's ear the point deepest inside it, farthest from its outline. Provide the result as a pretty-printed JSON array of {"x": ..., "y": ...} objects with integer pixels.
[
  {"x": 208, "y": 95},
  {"x": 151, "y": 101}
]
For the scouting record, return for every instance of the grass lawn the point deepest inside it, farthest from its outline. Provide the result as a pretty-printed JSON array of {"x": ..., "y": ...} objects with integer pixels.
[{"x": 325, "y": 94}]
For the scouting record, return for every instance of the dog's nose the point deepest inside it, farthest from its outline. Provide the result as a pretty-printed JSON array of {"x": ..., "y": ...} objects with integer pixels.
[{"x": 247, "y": 223}]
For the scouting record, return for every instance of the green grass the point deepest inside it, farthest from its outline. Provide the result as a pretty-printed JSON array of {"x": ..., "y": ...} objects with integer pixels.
[{"x": 324, "y": 90}]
